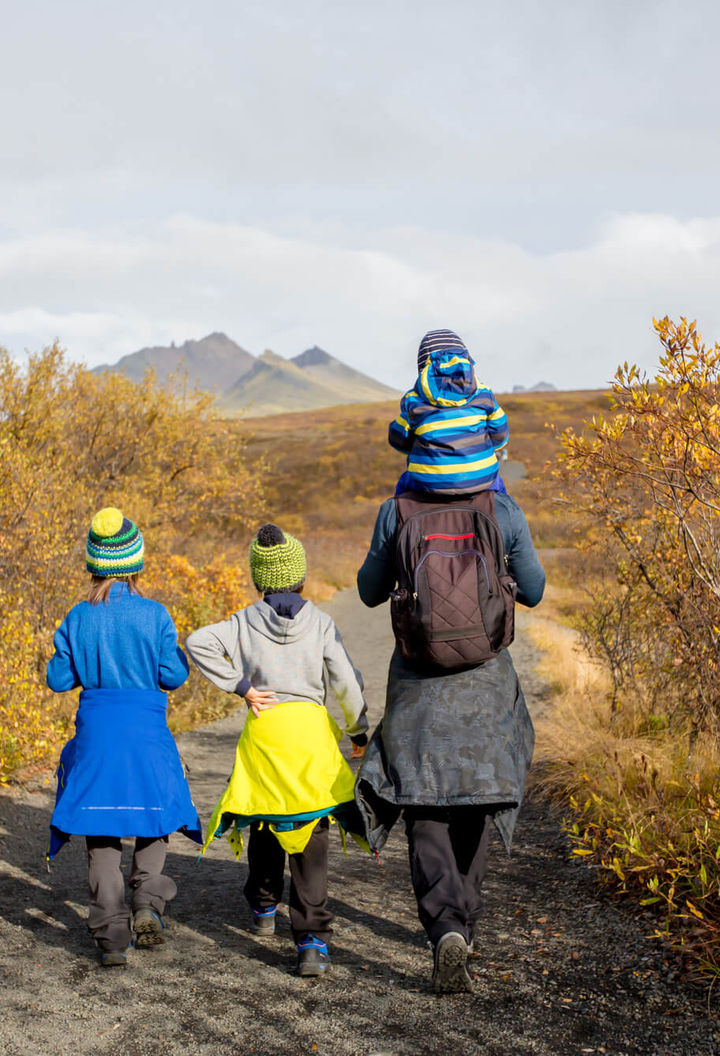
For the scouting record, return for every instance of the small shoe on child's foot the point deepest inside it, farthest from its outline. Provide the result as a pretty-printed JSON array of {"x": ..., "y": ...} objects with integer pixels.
[
  {"x": 262, "y": 921},
  {"x": 450, "y": 974},
  {"x": 148, "y": 927},
  {"x": 113, "y": 958},
  {"x": 313, "y": 957}
]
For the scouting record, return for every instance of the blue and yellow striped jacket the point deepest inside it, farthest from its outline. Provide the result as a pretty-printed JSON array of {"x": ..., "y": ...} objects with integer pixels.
[{"x": 451, "y": 427}]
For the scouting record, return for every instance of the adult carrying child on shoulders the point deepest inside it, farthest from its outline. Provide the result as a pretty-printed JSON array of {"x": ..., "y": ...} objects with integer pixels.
[{"x": 453, "y": 553}]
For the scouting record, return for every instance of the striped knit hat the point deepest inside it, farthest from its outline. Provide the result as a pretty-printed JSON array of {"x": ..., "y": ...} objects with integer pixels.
[
  {"x": 114, "y": 545},
  {"x": 438, "y": 341},
  {"x": 277, "y": 561}
]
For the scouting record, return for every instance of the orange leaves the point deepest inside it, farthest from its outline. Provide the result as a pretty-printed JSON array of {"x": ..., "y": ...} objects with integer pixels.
[
  {"x": 649, "y": 476},
  {"x": 72, "y": 442},
  {"x": 199, "y": 595},
  {"x": 648, "y": 481}
]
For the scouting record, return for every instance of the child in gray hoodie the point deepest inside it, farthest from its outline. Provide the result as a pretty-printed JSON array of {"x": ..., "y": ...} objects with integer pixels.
[{"x": 275, "y": 654}]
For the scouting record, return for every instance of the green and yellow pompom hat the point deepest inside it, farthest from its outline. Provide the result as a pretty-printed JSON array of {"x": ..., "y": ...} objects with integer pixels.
[
  {"x": 277, "y": 561},
  {"x": 114, "y": 545}
]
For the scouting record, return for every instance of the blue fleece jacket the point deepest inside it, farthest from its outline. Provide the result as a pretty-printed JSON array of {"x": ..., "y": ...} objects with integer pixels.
[{"x": 127, "y": 643}]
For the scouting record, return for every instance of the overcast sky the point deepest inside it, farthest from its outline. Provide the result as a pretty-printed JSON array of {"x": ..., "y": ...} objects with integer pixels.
[{"x": 540, "y": 176}]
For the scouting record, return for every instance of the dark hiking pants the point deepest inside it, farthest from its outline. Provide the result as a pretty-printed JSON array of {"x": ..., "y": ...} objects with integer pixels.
[
  {"x": 448, "y": 857},
  {"x": 109, "y": 918},
  {"x": 308, "y": 879}
]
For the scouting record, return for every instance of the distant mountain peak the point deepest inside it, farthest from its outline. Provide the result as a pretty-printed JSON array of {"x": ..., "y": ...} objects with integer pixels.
[
  {"x": 216, "y": 335},
  {"x": 213, "y": 362},
  {"x": 541, "y": 386},
  {"x": 268, "y": 356},
  {"x": 312, "y": 357},
  {"x": 310, "y": 380},
  {"x": 264, "y": 384}
]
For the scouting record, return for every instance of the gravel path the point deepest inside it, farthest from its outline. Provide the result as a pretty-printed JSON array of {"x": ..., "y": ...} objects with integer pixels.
[{"x": 563, "y": 970}]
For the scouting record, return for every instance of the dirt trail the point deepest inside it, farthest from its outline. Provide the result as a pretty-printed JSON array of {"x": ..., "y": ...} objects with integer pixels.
[{"x": 562, "y": 972}]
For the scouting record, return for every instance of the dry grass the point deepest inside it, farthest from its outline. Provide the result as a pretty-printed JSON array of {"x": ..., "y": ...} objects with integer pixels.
[
  {"x": 328, "y": 471},
  {"x": 577, "y": 738},
  {"x": 576, "y": 724},
  {"x": 640, "y": 804},
  {"x": 643, "y": 807}
]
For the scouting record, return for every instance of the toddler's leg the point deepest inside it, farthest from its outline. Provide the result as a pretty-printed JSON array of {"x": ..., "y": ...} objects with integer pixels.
[
  {"x": 149, "y": 885},
  {"x": 308, "y": 888},
  {"x": 109, "y": 917},
  {"x": 266, "y": 864}
]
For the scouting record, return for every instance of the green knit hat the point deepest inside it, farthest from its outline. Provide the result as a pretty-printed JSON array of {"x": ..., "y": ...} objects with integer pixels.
[{"x": 277, "y": 561}]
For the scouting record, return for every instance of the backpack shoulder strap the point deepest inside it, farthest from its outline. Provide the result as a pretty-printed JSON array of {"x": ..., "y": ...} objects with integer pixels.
[
  {"x": 410, "y": 502},
  {"x": 484, "y": 501}
]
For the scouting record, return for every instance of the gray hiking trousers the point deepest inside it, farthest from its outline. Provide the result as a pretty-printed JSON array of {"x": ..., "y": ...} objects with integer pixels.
[{"x": 109, "y": 918}]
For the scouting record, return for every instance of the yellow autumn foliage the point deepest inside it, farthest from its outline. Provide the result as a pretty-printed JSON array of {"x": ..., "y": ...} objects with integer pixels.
[
  {"x": 648, "y": 479},
  {"x": 71, "y": 443},
  {"x": 641, "y": 776}
]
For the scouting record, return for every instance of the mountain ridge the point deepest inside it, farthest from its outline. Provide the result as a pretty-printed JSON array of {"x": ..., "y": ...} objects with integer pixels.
[
  {"x": 212, "y": 362},
  {"x": 256, "y": 385}
]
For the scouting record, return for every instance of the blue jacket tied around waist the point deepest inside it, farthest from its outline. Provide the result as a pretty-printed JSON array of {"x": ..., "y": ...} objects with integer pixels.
[{"x": 121, "y": 773}]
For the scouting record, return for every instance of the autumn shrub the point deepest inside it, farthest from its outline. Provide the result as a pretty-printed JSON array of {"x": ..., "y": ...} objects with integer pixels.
[
  {"x": 195, "y": 596},
  {"x": 72, "y": 442},
  {"x": 648, "y": 480},
  {"x": 637, "y": 754},
  {"x": 636, "y": 809},
  {"x": 659, "y": 842}
]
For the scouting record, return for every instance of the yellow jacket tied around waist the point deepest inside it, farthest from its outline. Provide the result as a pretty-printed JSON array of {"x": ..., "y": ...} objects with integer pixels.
[{"x": 288, "y": 769}]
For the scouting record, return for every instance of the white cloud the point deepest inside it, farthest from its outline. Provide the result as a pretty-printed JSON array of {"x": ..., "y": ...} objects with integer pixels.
[{"x": 564, "y": 317}]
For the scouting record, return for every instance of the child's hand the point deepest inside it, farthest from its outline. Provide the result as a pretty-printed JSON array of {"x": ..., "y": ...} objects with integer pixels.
[
  {"x": 358, "y": 751},
  {"x": 260, "y": 700}
]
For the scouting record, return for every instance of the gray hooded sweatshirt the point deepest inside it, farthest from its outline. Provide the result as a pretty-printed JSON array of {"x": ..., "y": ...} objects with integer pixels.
[{"x": 288, "y": 656}]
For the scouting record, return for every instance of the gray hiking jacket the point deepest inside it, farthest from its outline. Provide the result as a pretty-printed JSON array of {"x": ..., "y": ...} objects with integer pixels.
[
  {"x": 453, "y": 740},
  {"x": 291, "y": 657}
]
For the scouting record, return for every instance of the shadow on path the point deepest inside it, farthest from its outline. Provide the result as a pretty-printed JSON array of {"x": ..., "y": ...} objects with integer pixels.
[{"x": 561, "y": 971}]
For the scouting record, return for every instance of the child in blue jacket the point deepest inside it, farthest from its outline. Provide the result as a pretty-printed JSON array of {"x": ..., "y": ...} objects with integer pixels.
[
  {"x": 121, "y": 774},
  {"x": 450, "y": 426}
]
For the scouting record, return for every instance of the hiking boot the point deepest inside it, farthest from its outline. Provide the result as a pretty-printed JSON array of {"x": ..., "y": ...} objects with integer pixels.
[
  {"x": 113, "y": 958},
  {"x": 313, "y": 957},
  {"x": 262, "y": 921},
  {"x": 148, "y": 927},
  {"x": 450, "y": 974}
]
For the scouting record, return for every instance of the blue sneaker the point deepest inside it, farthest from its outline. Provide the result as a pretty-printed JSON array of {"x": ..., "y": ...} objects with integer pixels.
[
  {"x": 262, "y": 921},
  {"x": 313, "y": 957},
  {"x": 113, "y": 958}
]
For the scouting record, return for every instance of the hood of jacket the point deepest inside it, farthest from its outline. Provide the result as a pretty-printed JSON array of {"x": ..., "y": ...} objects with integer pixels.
[
  {"x": 263, "y": 619},
  {"x": 448, "y": 378}
]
